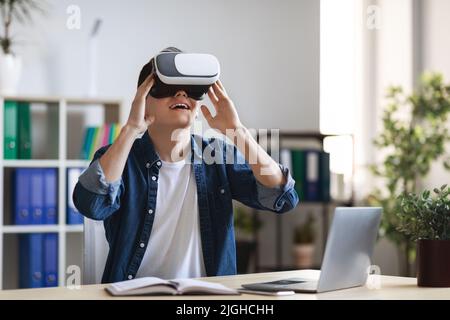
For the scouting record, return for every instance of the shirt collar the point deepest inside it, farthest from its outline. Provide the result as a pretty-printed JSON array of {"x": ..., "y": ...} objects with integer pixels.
[{"x": 148, "y": 149}]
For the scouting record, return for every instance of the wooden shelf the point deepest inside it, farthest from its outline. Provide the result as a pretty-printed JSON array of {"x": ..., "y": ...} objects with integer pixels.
[
  {"x": 31, "y": 163},
  {"x": 74, "y": 228},
  {"x": 42, "y": 228},
  {"x": 68, "y": 235},
  {"x": 76, "y": 163},
  {"x": 30, "y": 228},
  {"x": 68, "y": 100},
  {"x": 329, "y": 203},
  {"x": 35, "y": 163}
]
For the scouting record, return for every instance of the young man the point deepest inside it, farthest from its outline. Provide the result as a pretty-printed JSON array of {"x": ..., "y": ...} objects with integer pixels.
[{"x": 167, "y": 214}]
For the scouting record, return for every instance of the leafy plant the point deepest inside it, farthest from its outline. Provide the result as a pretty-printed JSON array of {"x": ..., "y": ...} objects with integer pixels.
[
  {"x": 423, "y": 216},
  {"x": 244, "y": 221},
  {"x": 305, "y": 233},
  {"x": 414, "y": 135},
  {"x": 19, "y": 10}
]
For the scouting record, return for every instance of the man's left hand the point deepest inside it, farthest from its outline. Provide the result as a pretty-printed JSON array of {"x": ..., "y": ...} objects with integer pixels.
[{"x": 226, "y": 115}]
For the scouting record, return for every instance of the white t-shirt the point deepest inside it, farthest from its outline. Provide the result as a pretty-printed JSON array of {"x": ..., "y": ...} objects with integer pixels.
[{"x": 174, "y": 249}]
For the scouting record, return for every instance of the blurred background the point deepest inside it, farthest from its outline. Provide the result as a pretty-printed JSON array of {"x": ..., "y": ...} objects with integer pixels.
[{"x": 339, "y": 80}]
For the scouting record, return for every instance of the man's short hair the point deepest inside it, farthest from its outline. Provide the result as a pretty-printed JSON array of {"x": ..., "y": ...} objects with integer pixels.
[{"x": 148, "y": 68}]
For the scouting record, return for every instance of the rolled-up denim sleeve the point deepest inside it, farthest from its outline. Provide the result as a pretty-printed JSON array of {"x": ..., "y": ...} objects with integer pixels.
[
  {"x": 246, "y": 189},
  {"x": 93, "y": 196},
  {"x": 268, "y": 196},
  {"x": 93, "y": 179}
]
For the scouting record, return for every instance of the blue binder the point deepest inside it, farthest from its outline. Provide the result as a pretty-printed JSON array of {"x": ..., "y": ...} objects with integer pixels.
[
  {"x": 73, "y": 215},
  {"x": 21, "y": 196},
  {"x": 325, "y": 176},
  {"x": 30, "y": 261},
  {"x": 50, "y": 196},
  {"x": 50, "y": 260},
  {"x": 37, "y": 196}
]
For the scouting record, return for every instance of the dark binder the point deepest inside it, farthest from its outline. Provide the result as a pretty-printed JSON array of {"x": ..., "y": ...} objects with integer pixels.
[
  {"x": 50, "y": 259},
  {"x": 10, "y": 140},
  {"x": 325, "y": 176},
  {"x": 37, "y": 196},
  {"x": 50, "y": 196},
  {"x": 21, "y": 196},
  {"x": 299, "y": 172},
  {"x": 24, "y": 130},
  {"x": 30, "y": 260}
]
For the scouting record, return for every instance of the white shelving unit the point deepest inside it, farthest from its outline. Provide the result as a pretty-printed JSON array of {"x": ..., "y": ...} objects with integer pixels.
[{"x": 62, "y": 107}]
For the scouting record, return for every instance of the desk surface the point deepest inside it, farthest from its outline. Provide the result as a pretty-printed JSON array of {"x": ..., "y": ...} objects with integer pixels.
[{"x": 389, "y": 288}]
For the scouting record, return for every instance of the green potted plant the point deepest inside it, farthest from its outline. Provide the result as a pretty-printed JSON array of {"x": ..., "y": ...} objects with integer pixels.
[
  {"x": 10, "y": 63},
  {"x": 414, "y": 136},
  {"x": 304, "y": 247},
  {"x": 425, "y": 218},
  {"x": 246, "y": 226}
]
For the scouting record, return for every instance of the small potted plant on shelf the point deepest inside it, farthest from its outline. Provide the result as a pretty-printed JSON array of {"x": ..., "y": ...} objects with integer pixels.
[
  {"x": 11, "y": 63},
  {"x": 304, "y": 247},
  {"x": 426, "y": 218}
]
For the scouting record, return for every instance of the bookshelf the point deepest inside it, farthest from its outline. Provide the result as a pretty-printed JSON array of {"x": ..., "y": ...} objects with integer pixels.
[
  {"x": 281, "y": 223},
  {"x": 58, "y": 124}
]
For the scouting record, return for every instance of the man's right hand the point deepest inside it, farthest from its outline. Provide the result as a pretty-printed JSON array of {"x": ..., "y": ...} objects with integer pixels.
[
  {"x": 138, "y": 120},
  {"x": 114, "y": 159}
]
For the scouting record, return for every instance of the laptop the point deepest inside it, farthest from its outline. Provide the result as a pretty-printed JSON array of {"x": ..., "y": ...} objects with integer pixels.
[{"x": 347, "y": 254}]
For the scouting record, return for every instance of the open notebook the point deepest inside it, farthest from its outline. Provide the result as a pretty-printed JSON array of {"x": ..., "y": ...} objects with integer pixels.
[{"x": 157, "y": 286}]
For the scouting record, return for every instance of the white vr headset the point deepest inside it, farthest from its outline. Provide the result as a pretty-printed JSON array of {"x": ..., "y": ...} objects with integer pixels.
[{"x": 192, "y": 72}]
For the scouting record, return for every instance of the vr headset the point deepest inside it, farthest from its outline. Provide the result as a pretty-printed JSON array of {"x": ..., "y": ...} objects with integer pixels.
[{"x": 192, "y": 72}]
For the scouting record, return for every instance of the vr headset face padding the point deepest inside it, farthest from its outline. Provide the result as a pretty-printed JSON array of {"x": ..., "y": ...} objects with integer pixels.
[
  {"x": 162, "y": 90},
  {"x": 191, "y": 72}
]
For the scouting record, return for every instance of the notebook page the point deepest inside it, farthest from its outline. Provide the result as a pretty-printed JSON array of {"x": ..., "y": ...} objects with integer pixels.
[
  {"x": 137, "y": 283},
  {"x": 192, "y": 285}
]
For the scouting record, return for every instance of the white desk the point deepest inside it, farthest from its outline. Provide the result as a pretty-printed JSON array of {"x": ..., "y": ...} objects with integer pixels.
[{"x": 390, "y": 288}]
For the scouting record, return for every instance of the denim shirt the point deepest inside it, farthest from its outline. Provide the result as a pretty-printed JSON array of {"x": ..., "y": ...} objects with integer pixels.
[{"x": 128, "y": 206}]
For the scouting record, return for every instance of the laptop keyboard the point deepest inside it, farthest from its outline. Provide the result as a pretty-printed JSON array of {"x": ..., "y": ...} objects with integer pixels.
[
  {"x": 285, "y": 282},
  {"x": 295, "y": 284}
]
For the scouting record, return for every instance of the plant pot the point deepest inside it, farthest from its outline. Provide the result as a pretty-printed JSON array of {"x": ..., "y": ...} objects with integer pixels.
[
  {"x": 303, "y": 255},
  {"x": 433, "y": 263},
  {"x": 10, "y": 70}
]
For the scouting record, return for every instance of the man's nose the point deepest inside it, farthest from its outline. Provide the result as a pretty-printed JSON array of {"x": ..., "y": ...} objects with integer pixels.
[{"x": 181, "y": 92}]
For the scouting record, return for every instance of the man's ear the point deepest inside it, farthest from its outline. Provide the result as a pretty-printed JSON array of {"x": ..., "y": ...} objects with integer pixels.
[
  {"x": 147, "y": 105},
  {"x": 148, "y": 101}
]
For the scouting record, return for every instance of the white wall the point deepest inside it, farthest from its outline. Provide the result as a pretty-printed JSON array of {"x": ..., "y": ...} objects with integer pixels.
[
  {"x": 387, "y": 60},
  {"x": 435, "y": 57},
  {"x": 269, "y": 51}
]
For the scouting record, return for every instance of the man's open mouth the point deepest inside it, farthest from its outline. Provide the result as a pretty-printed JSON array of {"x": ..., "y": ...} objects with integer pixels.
[{"x": 180, "y": 106}]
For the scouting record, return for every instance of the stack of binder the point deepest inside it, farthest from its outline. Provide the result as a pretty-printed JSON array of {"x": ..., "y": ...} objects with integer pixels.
[
  {"x": 17, "y": 130},
  {"x": 35, "y": 196},
  {"x": 38, "y": 260},
  {"x": 97, "y": 137},
  {"x": 311, "y": 172}
]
